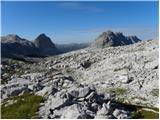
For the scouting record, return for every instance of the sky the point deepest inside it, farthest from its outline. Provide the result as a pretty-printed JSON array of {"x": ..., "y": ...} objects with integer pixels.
[{"x": 78, "y": 22}]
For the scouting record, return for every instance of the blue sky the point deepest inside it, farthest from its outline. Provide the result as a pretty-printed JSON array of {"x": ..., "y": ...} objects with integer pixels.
[{"x": 68, "y": 22}]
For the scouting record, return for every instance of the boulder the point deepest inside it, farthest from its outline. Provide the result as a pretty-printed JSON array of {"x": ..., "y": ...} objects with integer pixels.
[
  {"x": 116, "y": 113},
  {"x": 86, "y": 64},
  {"x": 121, "y": 114},
  {"x": 80, "y": 92},
  {"x": 103, "y": 111},
  {"x": 45, "y": 91},
  {"x": 83, "y": 92},
  {"x": 73, "y": 112},
  {"x": 36, "y": 87}
]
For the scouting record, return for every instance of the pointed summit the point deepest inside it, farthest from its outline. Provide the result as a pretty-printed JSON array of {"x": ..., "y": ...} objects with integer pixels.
[
  {"x": 45, "y": 45},
  {"x": 43, "y": 41},
  {"x": 13, "y": 36},
  {"x": 42, "y": 36},
  {"x": 107, "y": 33}
]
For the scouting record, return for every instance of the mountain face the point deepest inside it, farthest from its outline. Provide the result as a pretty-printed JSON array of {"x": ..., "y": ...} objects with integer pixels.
[
  {"x": 45, "y": 45},
  {"x": 42, "y": 41},
  {"x": 13, "y": 46},
  {"x": 111, "y": 39}
]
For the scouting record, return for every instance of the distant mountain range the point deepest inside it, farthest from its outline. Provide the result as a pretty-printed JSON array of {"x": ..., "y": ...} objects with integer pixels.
[{"x": 13, "y": 46}]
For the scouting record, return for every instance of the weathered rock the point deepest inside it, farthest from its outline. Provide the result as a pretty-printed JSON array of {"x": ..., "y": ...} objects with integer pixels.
[
  {"x": 95, "y": 106},
  {"x": 86, "y": 64},
  {"x": 73, "y": 112},
  {"x": 45, "y": 91},
  {"x": 83, "y": 92},
  {"x": 103, "y": 111},
  {"x": 79, "y": 92},
  {"x": 121, "y": 114},
  {"x": 116, "y": 113},
  {"x": 14, "y": 87},
  {"x": 36, "y": 87}
]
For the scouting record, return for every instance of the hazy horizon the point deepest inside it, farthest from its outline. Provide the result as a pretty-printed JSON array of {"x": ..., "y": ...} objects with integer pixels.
[{"x": 79, "y": 22}]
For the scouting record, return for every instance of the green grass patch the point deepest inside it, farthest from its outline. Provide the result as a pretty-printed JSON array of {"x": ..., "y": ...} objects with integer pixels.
[
  {"x": 140, "y": 113},
  {"x": 143, "y": 114},
  {"x": 25, "y": 108}
]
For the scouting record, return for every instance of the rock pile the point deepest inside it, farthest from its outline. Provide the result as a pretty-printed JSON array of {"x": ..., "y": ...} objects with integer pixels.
[{"x": 81, "y": 102}]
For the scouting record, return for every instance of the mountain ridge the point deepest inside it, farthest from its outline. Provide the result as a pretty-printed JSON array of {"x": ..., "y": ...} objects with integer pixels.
[{"x": 13, "y": 46}]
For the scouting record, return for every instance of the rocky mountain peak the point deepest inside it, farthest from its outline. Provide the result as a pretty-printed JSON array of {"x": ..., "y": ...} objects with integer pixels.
[
  {"x": 11, "y": 38},
  {"x": 45, "y": 45},
  {"x": 107, "y": 33},
  {"x": 42, "y": 36},
  {"x": 119, "y": 34},
  {"x": 111, "y": 39},
  {"x": 43, "y": 41}
]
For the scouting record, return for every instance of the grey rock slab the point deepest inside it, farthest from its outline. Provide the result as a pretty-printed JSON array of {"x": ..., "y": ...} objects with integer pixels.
[
  {"x": 83, "y": 91},
  {"x": 73, "y": 112}
]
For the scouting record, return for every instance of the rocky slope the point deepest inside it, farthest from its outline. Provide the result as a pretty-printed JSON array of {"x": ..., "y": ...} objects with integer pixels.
[
  {"x": 89, "y": 83},
  {"x": 15, "y": 47},
  {"x": 111, "y": 39}
]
